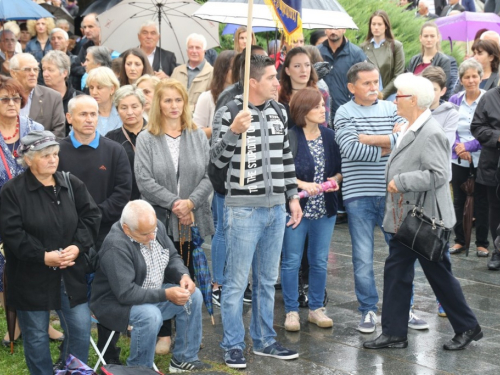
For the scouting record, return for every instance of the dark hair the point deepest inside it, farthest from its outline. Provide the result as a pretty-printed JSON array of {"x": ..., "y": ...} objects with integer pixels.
[
  {"x": 286, "y": 81},
  {"x": 491, "y": 48},
  {"x": 116, "y": 66},
  {"x": 145, "y": 63},
  {"x": 314, "y": 54},
  {"x": 352, "y": 74},
  {"x": 13, "y": 87},
  {"x": 435, "y": 74},
  {"x": 302, "y": 103},
  {"x": 389, "y": 36},
  {"x": 258, "y": 63},
  {"x": 239, "y": 62},
  {"x": 221, "y": 67},
  {"x": 23, "y": 26},
  {"x": 479, "y": 33},
  {"x": 315, "y": 36}
]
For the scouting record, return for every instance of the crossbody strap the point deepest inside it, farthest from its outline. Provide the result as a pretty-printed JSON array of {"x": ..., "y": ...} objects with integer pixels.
[
  {"x": 128, "y": 137},
  {"x": 6, "y": 165}
]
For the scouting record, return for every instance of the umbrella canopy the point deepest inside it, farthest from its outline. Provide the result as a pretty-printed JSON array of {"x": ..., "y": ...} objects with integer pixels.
[
  {"x": 60, "y": 13},
  {"x": 465, "y": 25},
  {"x": 100, "y": 6},
  {"x": 201, "y": 270},
  {"x": 120, "y": 25},
  {"x": 13, "y": 10},
  {"x": 468, "y": 188},
  {"x": 231, "y": 29},
  {"x": 316, "y": 14}
]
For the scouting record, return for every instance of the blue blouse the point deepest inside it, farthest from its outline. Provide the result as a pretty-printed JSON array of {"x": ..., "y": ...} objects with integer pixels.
[{"x": 106, "y": 124}]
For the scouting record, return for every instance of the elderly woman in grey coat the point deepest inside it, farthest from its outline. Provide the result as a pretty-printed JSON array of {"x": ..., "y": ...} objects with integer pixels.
[
  {"x": 171, "y": 168},
  {"x": 422, "y": 149}
]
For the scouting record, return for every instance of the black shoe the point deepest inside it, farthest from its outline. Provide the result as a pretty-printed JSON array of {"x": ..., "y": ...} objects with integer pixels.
[
  {"x": 277, "y": 286},
  {"x": 341, "y": 218},
  {"x": 494, "y": 262},
  {"x": 461, "y": 340},
  {"x": 384, "y": 341},
  {"x": 247, "y": 296}
]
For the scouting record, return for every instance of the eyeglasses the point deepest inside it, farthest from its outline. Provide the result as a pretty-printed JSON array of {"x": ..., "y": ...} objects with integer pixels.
[
  {"x": 403, "y": 96},
  {"x": 5, "y": 100},
  {"x": 28, "y": 70}
]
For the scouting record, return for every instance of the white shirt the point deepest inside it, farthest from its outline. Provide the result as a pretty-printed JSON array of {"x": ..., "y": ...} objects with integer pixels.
[
  {"x": 26, "y": 110},
  {"x": 416, "y": 125},
  {"x": 151, "y": 57}
]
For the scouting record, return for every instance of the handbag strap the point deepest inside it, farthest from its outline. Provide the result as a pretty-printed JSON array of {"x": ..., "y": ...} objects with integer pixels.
[
  {"x": 128, "y": 138},
  {"x": 70, "y": 187},
  {"x": 5, "y": 164}
]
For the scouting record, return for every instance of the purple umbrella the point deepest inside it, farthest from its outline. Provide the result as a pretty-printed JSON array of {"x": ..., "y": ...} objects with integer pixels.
[{"x": 464, "y": 26}]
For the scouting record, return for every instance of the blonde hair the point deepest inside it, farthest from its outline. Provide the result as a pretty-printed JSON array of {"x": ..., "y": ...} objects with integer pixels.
[
  {"x": 147, "y": 78},
  {"x": 14, "y": 27},
  {"x": 240, "y": 30},
  {"x": 32, "y": 23},
  {"x": 155, "y": 115},
  {"x": 104, "y": 76}
]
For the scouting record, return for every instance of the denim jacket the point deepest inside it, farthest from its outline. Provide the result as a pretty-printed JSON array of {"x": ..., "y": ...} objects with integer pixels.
[{"x": 35, "y": 48}]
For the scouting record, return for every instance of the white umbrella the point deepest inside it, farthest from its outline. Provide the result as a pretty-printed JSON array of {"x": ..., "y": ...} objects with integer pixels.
[
  {"x": 121, "y": 23},
  {"x": 316, "y": 14}
]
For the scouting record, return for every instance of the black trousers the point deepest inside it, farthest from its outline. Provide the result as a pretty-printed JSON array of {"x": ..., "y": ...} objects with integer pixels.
[
  {"x": 494, "y": 211},
  {"x": 399, "y": 272},
  {"x": 460, "y": 175}
]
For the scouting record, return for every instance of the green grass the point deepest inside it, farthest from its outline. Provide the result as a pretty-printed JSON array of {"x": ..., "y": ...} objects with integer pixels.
[{"x": 15, "y": 364}]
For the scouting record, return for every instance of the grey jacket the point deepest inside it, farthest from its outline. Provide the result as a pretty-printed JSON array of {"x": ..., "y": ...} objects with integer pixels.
[
  {"x": 117, "y": 285},
  {"x": 47, "y": 109},
  {"x": 409, "y": 166},
  {"x": 157, "y": 180}
]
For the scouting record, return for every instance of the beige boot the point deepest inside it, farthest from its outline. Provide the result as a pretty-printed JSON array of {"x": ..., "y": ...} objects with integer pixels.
[
  {"x": 319, "y": 318},
  {"x": 292, "y": 321}
]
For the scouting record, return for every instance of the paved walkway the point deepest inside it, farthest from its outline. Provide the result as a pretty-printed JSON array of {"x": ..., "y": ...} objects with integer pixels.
[{"x": 339, "y": 350}]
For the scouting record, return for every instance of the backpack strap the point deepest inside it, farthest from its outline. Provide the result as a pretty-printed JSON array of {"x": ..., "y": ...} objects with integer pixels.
[
  {"x": 278, "y": 110},
  {"x": 233, "y": 109}
]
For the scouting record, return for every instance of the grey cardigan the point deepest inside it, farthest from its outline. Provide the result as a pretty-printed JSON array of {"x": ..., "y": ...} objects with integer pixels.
[
  {"x": 409, "y": 166},
  {"x": 122, "y": 269},
  {"x": 157, "y": 180}
]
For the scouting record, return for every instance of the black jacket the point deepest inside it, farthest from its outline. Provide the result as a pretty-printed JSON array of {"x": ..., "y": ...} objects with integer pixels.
[
  {"x": 451, "y": 8},
  {"x": 441, "y": 60},
  {"x": 71, "y": 92},
  {"x": 33, "y": 221},
  {"x": 485, "y": 127},
  {"x": 168, "y": 61}
]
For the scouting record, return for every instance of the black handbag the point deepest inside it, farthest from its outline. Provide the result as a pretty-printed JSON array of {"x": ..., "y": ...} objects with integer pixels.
[{"x": 427, "y": 236}]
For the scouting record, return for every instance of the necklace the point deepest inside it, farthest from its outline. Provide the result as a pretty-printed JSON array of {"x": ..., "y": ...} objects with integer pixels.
[
  {"x": 15, "y": 132},
  {"x": 13, "y": 148}
]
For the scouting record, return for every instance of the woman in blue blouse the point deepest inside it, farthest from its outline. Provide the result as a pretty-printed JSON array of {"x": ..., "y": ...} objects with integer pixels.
[{"x": 317, "y": 159}]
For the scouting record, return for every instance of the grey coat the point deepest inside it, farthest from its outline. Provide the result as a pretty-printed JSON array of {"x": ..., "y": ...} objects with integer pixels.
[
  {"x": 157, "y": 180},
  {"x": 409, "y": 166}
]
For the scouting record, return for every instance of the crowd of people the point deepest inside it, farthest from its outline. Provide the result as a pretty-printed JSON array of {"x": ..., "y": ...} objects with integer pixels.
[{"x": 108, "y": 159}]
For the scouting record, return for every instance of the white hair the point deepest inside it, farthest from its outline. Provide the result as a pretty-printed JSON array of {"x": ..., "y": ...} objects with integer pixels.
[
  {"x": 14, "y": 27},
  {"x": 133, "y": 210},
  {"x": 74, "y": 101},
  {"x": 58, "y": 30},
  {"x": 198, "y": 38},
  {"x": 59, "y": 59},
  {"x": 150, "y": 23},
  {"x": 61, "y": 21},
  {"x": 418, "y": 86},
  {"x": 492, "y": 34},
  {"x": 15, "y": 62},
  {"x": 126, "y": 91}
]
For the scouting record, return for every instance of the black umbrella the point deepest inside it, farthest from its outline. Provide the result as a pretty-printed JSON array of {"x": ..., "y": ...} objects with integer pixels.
[
  {"x": 100, "y": 6},
  {"x": 60, "y": 13},
  {"x": 468, "y": 188}
]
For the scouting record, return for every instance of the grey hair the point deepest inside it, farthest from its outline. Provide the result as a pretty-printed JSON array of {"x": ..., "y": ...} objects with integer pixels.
[
  {"x": 58, "y": 30},
  {"x": 101, "y": 55},
  {"x": 60, "y": 59},
  {"x": 7, "y": 31},
  {"x": 133, "y": 210},
  {"x": 73, "y": 101},
  {"x": 418, "y": 86},
  {"x": 61, "y": 21},
  {"x": 129, "y": 90},
  {"x": 15, "y": 62},
  {"x": 491, "y": 33},
  {"x": 21, "y": 160},
  {"x": 470, "y": 64},
  {"x": 150, "y": 23},
  {"x": 198, "y": 38}
]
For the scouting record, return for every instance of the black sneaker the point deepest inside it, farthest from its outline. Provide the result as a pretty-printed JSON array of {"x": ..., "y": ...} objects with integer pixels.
[
  {"x": 177, "y": 366},
  {"x": 277, "y": 351},
  {"x": 216, "y": 296},
  {"x": 234, "y": 358},
  {"x": 494, "y": 262},
  {"x": 247, "y": 296}
]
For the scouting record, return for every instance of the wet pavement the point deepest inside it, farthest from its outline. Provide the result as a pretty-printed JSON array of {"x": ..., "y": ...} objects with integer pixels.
[{"x": 338, "y": 350}]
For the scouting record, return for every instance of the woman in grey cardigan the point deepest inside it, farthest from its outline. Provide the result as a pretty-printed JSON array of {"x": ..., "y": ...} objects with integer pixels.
[
  {"x": 422, "y": 148},
  {"x": 171, "y": 168}
]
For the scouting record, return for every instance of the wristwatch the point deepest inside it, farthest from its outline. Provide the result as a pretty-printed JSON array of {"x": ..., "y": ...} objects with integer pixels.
[{"x": 295, "y": 196}]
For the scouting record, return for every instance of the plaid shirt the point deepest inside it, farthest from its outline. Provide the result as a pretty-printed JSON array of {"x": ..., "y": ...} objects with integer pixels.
[{"x": 156, "y": 258}]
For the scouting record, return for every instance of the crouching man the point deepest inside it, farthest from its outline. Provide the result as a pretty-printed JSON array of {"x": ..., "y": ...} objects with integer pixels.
[{"x": 141, "y": 282}]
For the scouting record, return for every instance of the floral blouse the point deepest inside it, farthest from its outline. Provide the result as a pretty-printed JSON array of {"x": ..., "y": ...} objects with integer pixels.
[{"x": 315, "y": 207}]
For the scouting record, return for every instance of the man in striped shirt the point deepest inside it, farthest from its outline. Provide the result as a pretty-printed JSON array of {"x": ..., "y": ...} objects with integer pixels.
[
  {"x": 254, "y": 214},
  {"x": 364, "y": 132}
]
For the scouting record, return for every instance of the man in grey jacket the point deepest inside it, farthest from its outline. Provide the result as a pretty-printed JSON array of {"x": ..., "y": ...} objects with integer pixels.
[
  {"x": 141, "y": 282},
  {"x": 254, "y": 214}
]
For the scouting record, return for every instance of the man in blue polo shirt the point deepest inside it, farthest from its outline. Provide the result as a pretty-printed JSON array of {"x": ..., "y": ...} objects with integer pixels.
[{"x": 103, "y": 166}]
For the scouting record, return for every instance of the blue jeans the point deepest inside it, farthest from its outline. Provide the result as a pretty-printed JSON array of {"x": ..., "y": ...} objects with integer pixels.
[
  {"x": 254, "y": 237},
  {"x": 218, "y": 241},
  {"x": 320, "y": 233},
  {"x": 146, "y": 321},
  {"x": 364, "y": 214},
  {"x": 35, "y": 324}
]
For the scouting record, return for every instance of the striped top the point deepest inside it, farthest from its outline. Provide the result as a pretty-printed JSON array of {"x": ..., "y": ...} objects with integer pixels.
[
  {"x": 269, "y": 169},
  {"x": 363, "y": 166}
]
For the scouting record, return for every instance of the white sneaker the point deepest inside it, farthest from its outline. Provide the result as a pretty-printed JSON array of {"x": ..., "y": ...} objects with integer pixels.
[
  {"x": 368, "y": 322},
  {"x": 414, "y": 322}
]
